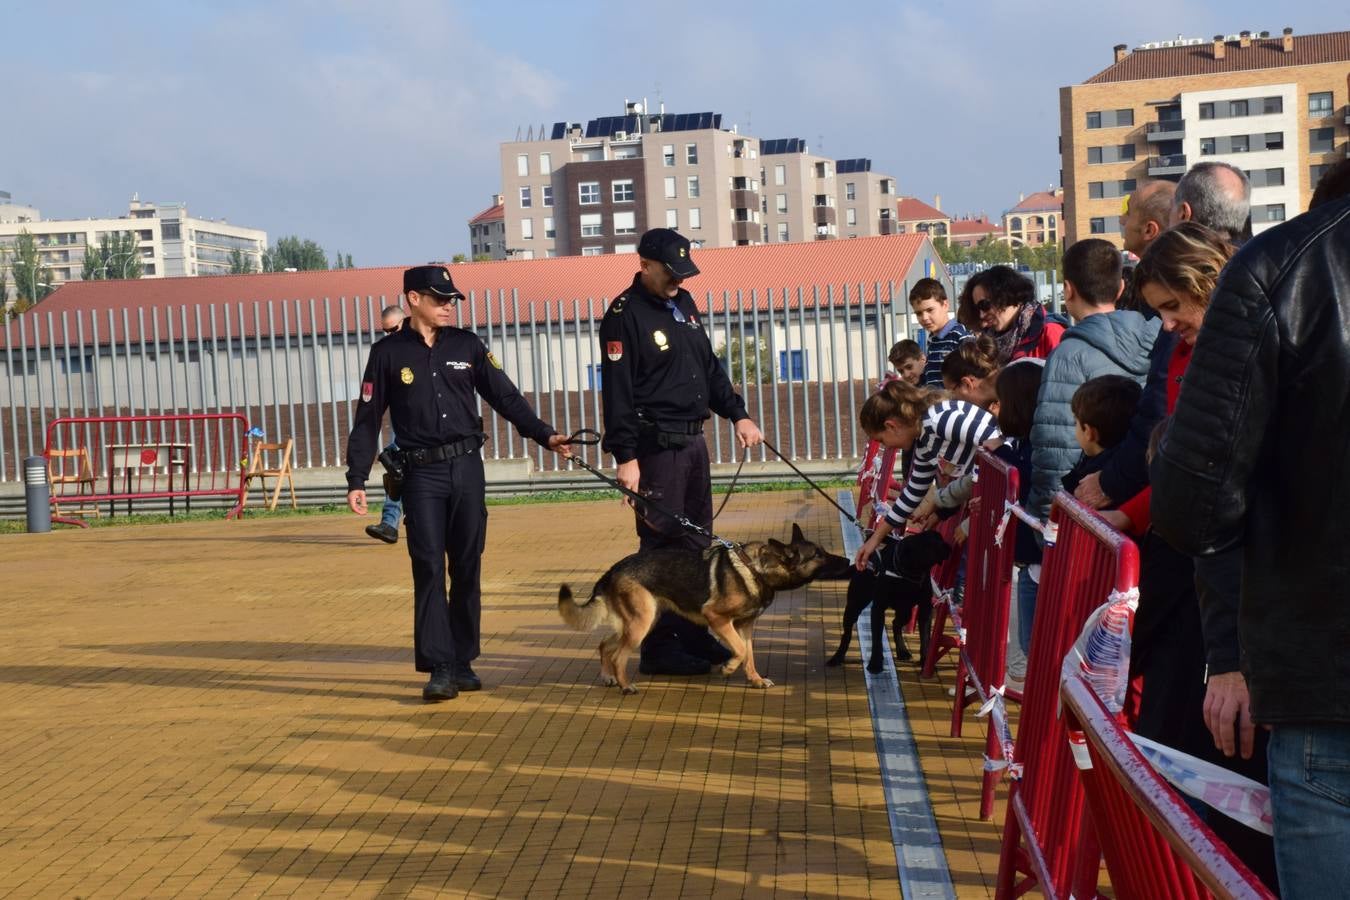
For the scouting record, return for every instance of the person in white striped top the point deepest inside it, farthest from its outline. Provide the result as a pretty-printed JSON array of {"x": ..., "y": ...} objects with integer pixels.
[{"x": 937, "y": 428}]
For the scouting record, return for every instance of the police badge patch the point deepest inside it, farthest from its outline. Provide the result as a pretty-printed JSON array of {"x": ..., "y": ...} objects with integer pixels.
[
  {"x": 492, "y": 358},
  {"x": 406, "y": 376},
  {"x": 367, "y": 391},
  {"x": 614, "y": 350}
]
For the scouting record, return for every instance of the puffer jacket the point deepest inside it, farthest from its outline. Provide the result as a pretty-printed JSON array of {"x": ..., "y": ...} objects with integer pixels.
[
  {"x": 1114, "y": 343},
  {"x": 1256, "y": 456}
]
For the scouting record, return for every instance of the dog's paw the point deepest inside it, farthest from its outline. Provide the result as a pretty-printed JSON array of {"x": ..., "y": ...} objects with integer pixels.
[
  {"x": 761, "y": 683},
  {"x": 902, "y": 652},
  {"x": 608, "y": 680},
  {"x": 730, "y": 666},
  {"x": 876, "y": 666},
  {"x": 630, "y": 689},
  {"x": 834, "y": 661}
]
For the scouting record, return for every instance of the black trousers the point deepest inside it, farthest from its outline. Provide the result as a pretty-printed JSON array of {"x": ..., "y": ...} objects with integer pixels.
[
  {"x": 445, "y": 518},
  {"x": 678, "y": 480}
]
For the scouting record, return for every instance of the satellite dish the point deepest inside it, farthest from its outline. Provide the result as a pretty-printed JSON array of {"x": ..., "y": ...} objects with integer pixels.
[{"x": 637, "y": 109}]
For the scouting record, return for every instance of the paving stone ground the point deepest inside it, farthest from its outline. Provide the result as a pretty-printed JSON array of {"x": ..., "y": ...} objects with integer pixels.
[{"x": 230, "y": 709}]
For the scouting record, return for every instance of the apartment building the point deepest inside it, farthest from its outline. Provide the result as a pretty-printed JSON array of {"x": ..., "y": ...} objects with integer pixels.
[
  {"x": 592, "y": 190},
  {"x": 169, "y": 240},
  {"x": 1276, "y": 106},
  {"x": 969, "y": 231},
  {"x": 1036, "y": 219},
  {"x": 866, "y": 199},
  {"x": 487, "y": 232},
  {"x": 912, "y": 215}
]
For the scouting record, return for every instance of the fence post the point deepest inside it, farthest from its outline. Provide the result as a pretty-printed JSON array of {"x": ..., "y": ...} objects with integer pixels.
[{"x": 37, "y": 494}]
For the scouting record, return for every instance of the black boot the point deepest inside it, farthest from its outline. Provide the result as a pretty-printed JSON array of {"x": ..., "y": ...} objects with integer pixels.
[{"x": 441, "y": 686}]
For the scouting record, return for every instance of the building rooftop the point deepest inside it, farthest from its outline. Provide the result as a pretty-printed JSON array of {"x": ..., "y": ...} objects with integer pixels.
[
  {"x": 565, "y": 286},
  {"x": 912, "y": 209},
  {"x": 965, "y": 227},
  {"x": 494, "y": 213},
  {"x": 1041, "y": 201},
  {"x": 775, "y": 146},
  {"x": 1199, "y": 59}
]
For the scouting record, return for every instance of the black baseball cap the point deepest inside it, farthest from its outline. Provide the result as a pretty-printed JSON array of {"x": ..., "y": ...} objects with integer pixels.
[
  {"x": 430, "y": 280},
  {"x": 668, "y": 246}
]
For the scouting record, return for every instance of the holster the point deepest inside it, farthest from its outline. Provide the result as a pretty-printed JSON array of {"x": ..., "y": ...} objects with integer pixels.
[{"x": 392, "y": 460}]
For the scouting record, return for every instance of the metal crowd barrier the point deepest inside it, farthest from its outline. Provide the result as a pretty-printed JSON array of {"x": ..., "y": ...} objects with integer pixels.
[{"x": 103, "y": 461}]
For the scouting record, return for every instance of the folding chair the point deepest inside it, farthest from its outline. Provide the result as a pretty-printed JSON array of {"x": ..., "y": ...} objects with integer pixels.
[
  {"x": 257, "y": 468},
  {"x": 80, "y": 473}
]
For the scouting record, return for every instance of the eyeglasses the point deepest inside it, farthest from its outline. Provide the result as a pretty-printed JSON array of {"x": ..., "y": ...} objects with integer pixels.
[{"x": 984, "y": 305}]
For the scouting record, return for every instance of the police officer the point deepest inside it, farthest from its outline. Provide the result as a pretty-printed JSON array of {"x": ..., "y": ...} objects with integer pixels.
[
  {"x": 659, "y": 379},
  {"x": 426, "y": 375}
]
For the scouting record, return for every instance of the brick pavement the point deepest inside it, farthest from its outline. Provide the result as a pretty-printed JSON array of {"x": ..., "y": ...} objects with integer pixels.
[{"x": 219, "y": 709}]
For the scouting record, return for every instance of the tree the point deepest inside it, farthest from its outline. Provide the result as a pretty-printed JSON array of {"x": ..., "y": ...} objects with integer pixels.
[
  {"x": 749, "y": 360},
  {"x": 349, "y": 262},
  {"x": 459, "y": 258},
  {"x": 32, "y": 280},
  {"x": 950, "y": 253},
  {"x": 118, "y": 255},
  {"x": 1043, "y": 258},
  {"x": 481, "y": 257},
  {"x": 292, "y": 253},
  {"x": 991, "y": 251},
  {"x": 240, "y": 262}
]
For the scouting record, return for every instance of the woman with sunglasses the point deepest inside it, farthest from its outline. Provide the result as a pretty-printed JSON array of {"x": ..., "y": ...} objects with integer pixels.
[{"x": 1002, "y": 303}]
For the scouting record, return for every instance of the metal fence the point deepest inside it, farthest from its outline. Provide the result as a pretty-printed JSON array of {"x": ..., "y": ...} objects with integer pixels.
[{"x": 293, "y": 367}]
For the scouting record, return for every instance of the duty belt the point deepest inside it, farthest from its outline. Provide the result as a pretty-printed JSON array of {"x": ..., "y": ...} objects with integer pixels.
[
  {"x": 691, "y": 427},
  {"x": 424, "y": 455}
]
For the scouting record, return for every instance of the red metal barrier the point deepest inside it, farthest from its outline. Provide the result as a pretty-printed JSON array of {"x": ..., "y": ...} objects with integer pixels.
[
  {"x": 1047, "y": 841},
  {"x": 944, "y": 582},
  {"x": 1156, "y": 847},
  {"x": 109, "y": 459}
]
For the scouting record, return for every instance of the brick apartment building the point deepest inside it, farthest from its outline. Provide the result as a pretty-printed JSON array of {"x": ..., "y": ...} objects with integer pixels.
[
  {"x": 1276, "y": 106},
  {"x": 571, "y": 190}
]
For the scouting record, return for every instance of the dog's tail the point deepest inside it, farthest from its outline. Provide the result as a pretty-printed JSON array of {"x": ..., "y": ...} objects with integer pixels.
[{"x": 581, "y": 616}]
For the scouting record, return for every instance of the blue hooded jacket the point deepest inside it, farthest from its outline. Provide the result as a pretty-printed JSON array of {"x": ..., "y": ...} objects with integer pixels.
[{"x": 1114, "y": 343}]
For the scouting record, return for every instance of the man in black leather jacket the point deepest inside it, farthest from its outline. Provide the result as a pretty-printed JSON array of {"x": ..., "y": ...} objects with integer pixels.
[{"x": 1256, "y": 456}]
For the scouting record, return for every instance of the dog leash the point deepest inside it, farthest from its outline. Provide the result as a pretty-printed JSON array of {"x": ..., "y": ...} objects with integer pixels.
[
  {"x": 807, "y": 478},
  {"x": 590, "y": 437}
]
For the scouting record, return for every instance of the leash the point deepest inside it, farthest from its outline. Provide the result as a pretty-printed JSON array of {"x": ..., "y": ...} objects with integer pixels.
[
  {"x": 745, "y": 454},
  {"x": 820, "y": 490},
  {"x": 590, "y": 437}
]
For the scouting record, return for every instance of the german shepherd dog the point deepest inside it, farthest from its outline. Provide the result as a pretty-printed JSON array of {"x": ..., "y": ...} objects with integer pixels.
[
  {"x": 910, "y": 561},
  {"x": 725, "y": 589}
]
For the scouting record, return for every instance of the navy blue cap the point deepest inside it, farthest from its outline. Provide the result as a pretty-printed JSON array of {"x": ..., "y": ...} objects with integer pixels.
[
  {"x": 668, "y": 246},
  {"x": 430, "y": 280}
]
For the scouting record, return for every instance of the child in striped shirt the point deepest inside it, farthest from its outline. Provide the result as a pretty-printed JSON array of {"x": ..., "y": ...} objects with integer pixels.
[
  {"x": 928, "y": 299},
  {"x": 937, "y": 428}
]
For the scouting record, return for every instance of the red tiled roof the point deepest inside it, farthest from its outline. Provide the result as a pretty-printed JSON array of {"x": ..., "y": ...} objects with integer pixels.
[
  {"x": 493, "y": 213},
  {"x": 912, "y": 209},
  {"x": 345, "y": 299},
  {"x": 1039, "y": 202},
  {"x": 965, "y": 227},
  {"x": 1198, "y": 59}
]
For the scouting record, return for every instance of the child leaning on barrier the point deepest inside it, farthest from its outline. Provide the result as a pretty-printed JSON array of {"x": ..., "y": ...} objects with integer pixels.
[{"x": 928, "y": 300}]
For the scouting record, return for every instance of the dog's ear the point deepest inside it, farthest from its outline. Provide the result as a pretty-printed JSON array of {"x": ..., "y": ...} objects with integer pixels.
[
  {"x": 797, "y": 536},
  {"x": 777, "y": 545}
]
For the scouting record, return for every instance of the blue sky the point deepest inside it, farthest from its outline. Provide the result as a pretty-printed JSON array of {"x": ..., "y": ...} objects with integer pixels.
[{"x": 372, "y": 128}]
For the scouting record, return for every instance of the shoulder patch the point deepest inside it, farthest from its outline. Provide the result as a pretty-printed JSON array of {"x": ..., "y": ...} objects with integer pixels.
[
  {"x": 616, "y": 308},
  {"x": 491, "y": 357}
]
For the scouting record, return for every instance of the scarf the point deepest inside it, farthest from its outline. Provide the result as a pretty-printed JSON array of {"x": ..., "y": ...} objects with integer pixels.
[{"x": 1008, "y": 340}]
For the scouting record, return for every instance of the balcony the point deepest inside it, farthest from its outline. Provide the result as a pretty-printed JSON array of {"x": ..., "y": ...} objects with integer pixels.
[
  {"x": 744, "y": 199},
  {"x": 887, "y": 226},
  {"x": 1174, "y": 130},
  {"x": 824, "y": 215},
  {"x": 1174, "y": 164},
  {"x": 745, "y": 231}
]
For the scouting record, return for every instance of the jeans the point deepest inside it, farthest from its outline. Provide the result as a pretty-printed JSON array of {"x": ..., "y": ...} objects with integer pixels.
[
  {"x": 1026, "y": 607},
  {"x": 393, "y": 509},
  {"x": 1310, "y": 799}
]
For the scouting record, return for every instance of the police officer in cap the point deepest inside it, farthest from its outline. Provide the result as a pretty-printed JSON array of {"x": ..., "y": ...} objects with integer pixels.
[
  {"x": 426, "y": 375},
  {"x": 659, "y": 380}
]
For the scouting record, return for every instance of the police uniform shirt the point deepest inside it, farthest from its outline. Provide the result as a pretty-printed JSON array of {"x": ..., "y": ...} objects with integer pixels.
[
  {"x": 429, "y": 392},
  {"x": 654, "y": 363}
]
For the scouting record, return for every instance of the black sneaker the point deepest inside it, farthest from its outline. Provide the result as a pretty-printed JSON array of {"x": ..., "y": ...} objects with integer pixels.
[
  {"x": 672, "y": 662},
  {"x": 441, "y": 686},
  {"x": 383, "y": 532},
  {"x": 466, "y": 680}
]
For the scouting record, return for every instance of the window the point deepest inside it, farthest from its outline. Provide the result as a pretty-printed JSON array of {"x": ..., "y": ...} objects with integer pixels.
[
  {"x": 593, "y": 377},
  {"x": 527, "y": 229},
  {"x": 588, "y": 193},
  {"x": 850, "y": 216},
  {"x": 1266, "y": 177},
  {"x": 592, "y": 251},
  {"x": 1321, "y": 140},
  {"x": 623, "y": 190},
  {"x": 780, "y": 174},
  {"x": 1110, "y": 118},
  {"x": 1237, "y": 108},
  {"x": 791, "y": 365},
  {"x": 782, "y": 231},
  {"x": 525, "y": 201},
  {"x": 1206, "y": 110},
  {"x": 1124, "y": 117},
  {"x": 625, "y": 248},
  {"x": 1117, "y": 153},
  {"x": 695, "y": 219},
  {"x": 547, "y": 195},
  {"x": 1275, "y": 212},
  {"x": 148, "y": 269},
  {"x": 670, "y": 187},
  {"x": 549, "y": 230},
  {"x": 672, "y": 218},
  {"x": 1015, "y": 224},
  {"x": 1207, "y": 147},
  {"x": 1272, "y": 105},
  {"x": 72, "y": 364},
  {"x": 171, "y": 231},
  {"x": 1094, "y": 155},
  {"x": 591, "y": 225},
  {"x": 523, "y": 164},
  {"x": 850, "y": 191},
  {"x": 1238, "y": 143},
  {"x": 1315, "y": 173},
  {"x": 780, "y": 203},
  {"x": 668, "y": 155},
  {"x": 1094, "y": 120},
  {"x": 625, "y": 222},
  {"x": 1275, "y": 140},
  {"x": 1319, "y": 106},
  {"x": 691, "y": 186},
  {"x": 691, "y": 154},
  {"x": 1104, "y": 225},
  {"x": 624, "y": 151},
  {"x": 545, "y": 163},
  {"x": 1095, "y": 190}
]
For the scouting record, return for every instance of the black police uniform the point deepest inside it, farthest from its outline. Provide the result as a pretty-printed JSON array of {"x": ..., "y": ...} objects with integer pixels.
[
  {"x": 660, "y": 377},
  {"x": 429, "y": 392}
]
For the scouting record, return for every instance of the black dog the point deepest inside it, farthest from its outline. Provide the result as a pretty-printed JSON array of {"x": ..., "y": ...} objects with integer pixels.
[{"x": 899, "y": 580}]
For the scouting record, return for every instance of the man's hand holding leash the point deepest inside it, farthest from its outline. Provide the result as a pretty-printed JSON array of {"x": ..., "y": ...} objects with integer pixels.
[{"x": 748, "y": 433}]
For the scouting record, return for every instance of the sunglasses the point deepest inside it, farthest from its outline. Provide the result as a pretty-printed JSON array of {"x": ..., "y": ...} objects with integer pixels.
[{"x": 985, "y": 305}]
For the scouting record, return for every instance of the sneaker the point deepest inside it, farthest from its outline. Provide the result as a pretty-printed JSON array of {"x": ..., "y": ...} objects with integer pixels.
[
  {"x": 441, "y": 686},
  {"x": 466, "y": 680},
  {"x": 383, "y": 532}
]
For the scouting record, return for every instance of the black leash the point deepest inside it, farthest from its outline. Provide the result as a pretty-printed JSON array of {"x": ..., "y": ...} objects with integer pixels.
[
  {"x": 588, "y": 437},
  {"x": 732, "y": 488},
  {"x": 807, "y": 478}
]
